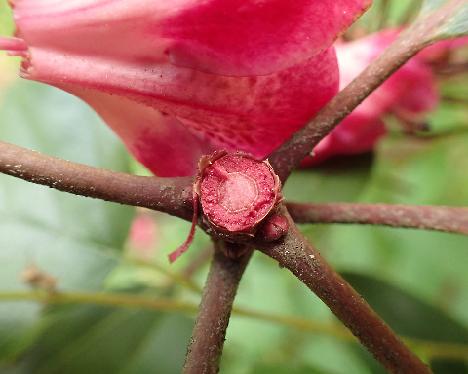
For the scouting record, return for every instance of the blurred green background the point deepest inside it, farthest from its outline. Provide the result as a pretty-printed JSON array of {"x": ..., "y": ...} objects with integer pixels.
[{"x": 416, "y": 280}]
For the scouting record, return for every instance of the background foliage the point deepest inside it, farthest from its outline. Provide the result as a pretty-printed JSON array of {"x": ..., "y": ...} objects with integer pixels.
[{"x": 415, "y": 280}]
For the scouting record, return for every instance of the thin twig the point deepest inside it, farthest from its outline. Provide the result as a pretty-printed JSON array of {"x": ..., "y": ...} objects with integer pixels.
[
  {"x": 120, "y": 300},
  {"x": 290, "y": 154},
  {"x": 431, "y": 349},
  {"x": 209, "y": 333},
  {"x": 447, "y": 219},
  {"x": 169, "y": 195},
  {"x": 428, "y": 349},
  {"x": 176, "y": 277},
  {"x": 305, "y": 262}
]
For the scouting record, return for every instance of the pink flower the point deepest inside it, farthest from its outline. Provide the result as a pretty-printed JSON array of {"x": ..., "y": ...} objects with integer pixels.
[
  {"x": 143, "y": 236},
  {"x": 178, "y": 79},
  {"x": 409, "y": 93}
]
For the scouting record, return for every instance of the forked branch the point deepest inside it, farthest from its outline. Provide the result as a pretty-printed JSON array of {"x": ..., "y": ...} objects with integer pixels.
[
  {"x": 290, "y": 154},
  {"x": 305, "y": 262},
  {"x": 438, "y": 218},
  {"x": 174, "y": 196}
]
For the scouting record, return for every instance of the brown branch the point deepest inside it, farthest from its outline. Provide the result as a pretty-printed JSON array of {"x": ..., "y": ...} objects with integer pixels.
[
  {"x": 290, "y": 154},
  {"x": 438, "y": 218},
  {"x": 305, "y": 262},
  {"x": 208, "y": 336},
  {"x": 169, "y": 195}
]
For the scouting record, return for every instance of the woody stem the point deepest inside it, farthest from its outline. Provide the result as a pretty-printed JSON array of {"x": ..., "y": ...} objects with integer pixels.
[
  {"x": 291, "y": 153},
  {"x": 305, "y": 262},
  {"x": 206, "y": 345},
  {"x": 169, "y": 195},
  {"x": 438, "y": 218}
]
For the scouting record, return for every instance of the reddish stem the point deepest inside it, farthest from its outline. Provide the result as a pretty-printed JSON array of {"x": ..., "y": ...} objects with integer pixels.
[
  {"x": 206, "y": 345},
  {"x": 305, "y": 262},
  {"x": 169, "y": 195},
  {"x": 290, "y": 154},
  {"x": 439, "y": 218}
]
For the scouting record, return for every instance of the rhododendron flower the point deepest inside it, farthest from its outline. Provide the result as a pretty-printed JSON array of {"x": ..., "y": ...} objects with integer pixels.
[
  {"x": 409, "y": 93},
  {"x": 178, "y": 79}
]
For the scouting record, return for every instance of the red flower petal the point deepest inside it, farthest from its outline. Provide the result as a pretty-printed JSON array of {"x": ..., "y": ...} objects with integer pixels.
[
  {"x": 226, "y": 37},
  {"x": 202, "y": 111},
  {"x": 192, "y": 75},
  {"x": 411, "y": 91},
  {"x": 251, "y": 37}
]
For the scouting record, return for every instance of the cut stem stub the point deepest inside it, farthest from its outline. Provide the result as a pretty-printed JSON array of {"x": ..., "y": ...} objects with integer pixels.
[{"x": 237, "y": 193}]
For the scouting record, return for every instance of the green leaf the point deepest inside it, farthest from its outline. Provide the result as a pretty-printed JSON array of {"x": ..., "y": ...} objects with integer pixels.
[
  {"x": 286, "y": 369},
  {"x": 104, "y": 340},
  {"x": 408, "y": 315},
  {"x": 325, "y": 183},
  {"x": 440, "y": 366},
  {"x": 71, "y": 238},
  {"x": 449, "y": 118},
  {"x": 6, "y": 19},
  {"x": 50, "y": 121},
  {"x": 384, "y": 13}
]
